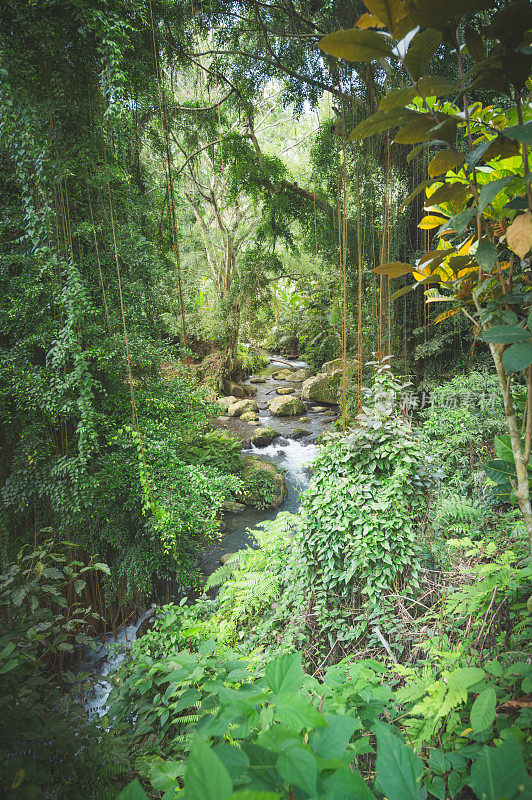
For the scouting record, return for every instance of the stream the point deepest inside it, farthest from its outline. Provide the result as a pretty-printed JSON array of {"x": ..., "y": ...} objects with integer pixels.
[{"x": 293, "y": 457}]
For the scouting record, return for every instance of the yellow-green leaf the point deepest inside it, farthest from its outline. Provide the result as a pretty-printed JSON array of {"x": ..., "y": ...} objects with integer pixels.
[
  {"x": 519, "y": 234},
  {"x": 394, "y": 269},
  {"x": 433, "y": 86},
  {"x": 389, "y": 12},
  {"x": 356, "y": 45},
  {"x": 449, "y": 193},
  {"x": 368, "y": 21},
  {"x": 429, "y": 222},
  {"x": 444, "y": 161},
  {"x": 397, "y": 97},
  {"x": 420, "y": 51},
  {"x": 415, "y": 130},
  {"x": 382, "y": 121},
  {"x": 446, "y": 314}
]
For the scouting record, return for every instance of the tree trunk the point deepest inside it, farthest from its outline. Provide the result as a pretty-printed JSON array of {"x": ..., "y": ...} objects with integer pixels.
[{"x": 522, "y": 489}]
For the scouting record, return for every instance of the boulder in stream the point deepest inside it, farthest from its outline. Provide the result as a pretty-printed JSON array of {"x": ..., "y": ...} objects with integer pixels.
[
  {"x": 230, "y": 387},
  {"x": 304, "y": 419},
  {"x": 287, "y": 406},
  {"x": 257, "y": 380},
  {"x": 255, "y": 467},
  {"x": 262, "y": 437},
  {"x": 322, "y": 387},
  {"x": 285, "y": 390},
  {"x": 249, "y": 416},
  {"x": 283, "y": 375},
  {"x": 298, "y": 433},
  {"x": 232, "y": 507},
  {"x": 225, "y": 402},
  {"x": 147, "y": 623},
  {"x": 240, "y": 407},
  {"x": 300, "y": 375},
  {"x": 318, "y": 409}
]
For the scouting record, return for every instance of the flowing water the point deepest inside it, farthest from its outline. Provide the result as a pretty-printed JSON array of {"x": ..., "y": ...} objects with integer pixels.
[{"x": 294, "y": 457}]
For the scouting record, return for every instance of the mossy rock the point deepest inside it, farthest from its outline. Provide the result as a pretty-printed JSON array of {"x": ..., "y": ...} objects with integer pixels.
[
  {"x": 304, "y": 419},
  {"x": 262, "y": 437},
  {"x": 337, "y": 364},
  {"x": 318, "y": 409},
  {"x": 257, "y": 380},
  {"x": 287, "y": 406},
  {"x": 283, "y": 375},
  {"x": 322, "y": 388},
  {"x": 230, "y": 387},
  {"x": 300, "y": 375},
  {"x": 298, "y": 433},
  {"x": 225, "y": 402},
  {"x": 242, "y": 407},
  {"x": 232, "y": 507},
  {"x": 254, "y": 468},
  {"x": 285, "y": 390},
  {"x": 249, "y": 416}
]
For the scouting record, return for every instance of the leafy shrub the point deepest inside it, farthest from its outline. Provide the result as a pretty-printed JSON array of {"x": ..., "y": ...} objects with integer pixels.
[{"x": 47, "y": 746}]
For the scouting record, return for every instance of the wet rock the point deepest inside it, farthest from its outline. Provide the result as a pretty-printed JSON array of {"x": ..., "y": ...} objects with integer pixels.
[
  {"x": 230, "y": 387},
  {"x": 253, "y": 467},
  {"x": 300, "y": 375},
  {"x": 233, "y": 557},
  {"x": 337, "y": 365},
  {"x": 298, "y": 433},
  {"x": 280, "y": 452},
  {"x": 147, "y": 623},
  {"x": 223, "y": 418},
  {"x": 304, "y": 419},
  {"x": 285, "y": 390},
  {"x": 232, "y": 507},
  {"x": 262, "y": 437},
  {"x": 225, "y": 402},
  {"x": 250, "y": 391},
  {"x": 322, "y": 387},
  {"x": 318, "y": 409},
  {"x": 241, "y": 407},
  {"x": 283, "y": 375},
  {"x": 246, "y": 445},
  {"x": 257, "y": 380},
  {"x": 286, "y": 406},
  {"x": 249, "y": 416}
]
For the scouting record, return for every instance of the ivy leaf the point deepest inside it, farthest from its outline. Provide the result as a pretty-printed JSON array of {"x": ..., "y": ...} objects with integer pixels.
[
  {"x": 206, "y": 778},
  {"x": 356, "y": 45},
  {"x": 285, "y": 674},
  {"x": 519, "y": 234},
  {"x": 421, "y": 49},
  {"x": 499, "y": 771},
  {"x": 298, "y": 767},
  {"x": 517, "y": 357},
  {"x": 398, "y": 767},
  {"x": 483, "y": 710}
]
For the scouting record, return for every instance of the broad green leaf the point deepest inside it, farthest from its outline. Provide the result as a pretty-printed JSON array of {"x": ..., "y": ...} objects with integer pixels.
[
  {"x": 295, "y": 711},
  {"x": 383, "y": 121},
  {"x": 102, "y": 568},
  {"x": 356, "y": 45},
  {"x": 438, "y": 762},
  {"x": 444, "y": 161},
  {"x": 388, "y": 12},
  {"x": 400, "y": 292},
  {"x": 506, "y": 334},
  {"x": 253, "y": 794},
  {"x": 415, "y": 130},
  {"x": 490, "y": 191},
  {"x": 517, "y": 357},
  {"x": 430, "y": 222},
  {"x": 397, "y": 98},
  {"x": 298, "y": 767},
  {"x": 465, "y": 677},
  {"x": 420, "y": 51},
  {"x": 206, "y": 778},
  {"x": 454, "y": 783},
  {"x": 419, "y": 188},
  {"x": 486, "y": 254},
  {"x": 474, "y": 44},
  {"x": 285, "y": 674},
  {"x": 345, "y": 784},
  {"x": 436, "y": 787},
  {"x": 395, "y": 269},
  {"x": 460, "y": 222},
  {"x": 499, "y": 771},
  {"x": 331, "y": 742},
  {"x": 207, "y": 647},
  {"x": 133, "y": 791},
  {"x": 519, "y": 234},
  {"x": 483, "y": 710},
  {"x": 449, "y": 193},
  {"x": 499, "y": 471},
  {"x": 399, "y": 769},
  {"x": 503, "y": 448},
  {"x": 433, "y": 86},
  {"x": 233, "y": 758},
  {"x": 163, "y": 775},
  {"x": 522, "y": 133}
]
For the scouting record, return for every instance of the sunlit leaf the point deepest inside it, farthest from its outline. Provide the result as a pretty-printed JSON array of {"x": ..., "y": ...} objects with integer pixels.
[
  {"x": 446, "y": 314},
  {"x": 396, "y": 98},
  {"x": 415, "y": 130},
  {"x": 490, "y": 191},
  {"x": 444, "y": 161},
  {"x": 429, "y": 222},
  {"x": 368, "y": 21},
  {"x": 394, "y": 269},
  {"x": 449, "y": 193},
  {"x": 356, "y": 45},
  {"x": 519, "y": 234},
  {"x": 383, "y": 121},
  {"x": 420, "y": 51}
]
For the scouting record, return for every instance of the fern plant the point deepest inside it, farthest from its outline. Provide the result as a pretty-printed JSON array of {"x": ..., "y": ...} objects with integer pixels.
[{"x": 457, "y": 515}]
